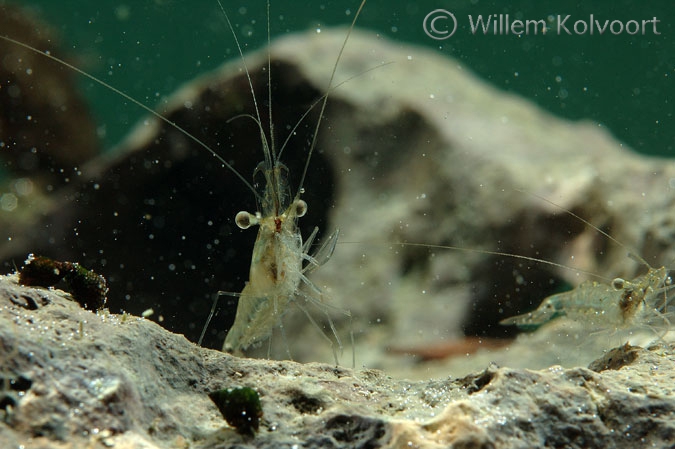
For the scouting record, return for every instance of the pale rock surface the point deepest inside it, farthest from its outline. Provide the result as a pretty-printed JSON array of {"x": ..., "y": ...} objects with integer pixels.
[{"x": 77, "y": 379}]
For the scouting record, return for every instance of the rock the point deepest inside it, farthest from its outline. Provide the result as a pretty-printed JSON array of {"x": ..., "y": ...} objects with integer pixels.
[
  {"x": 76, "y": 379},
  {"x": 46, "y": 129},
  {"x": 417, "y": 151}
]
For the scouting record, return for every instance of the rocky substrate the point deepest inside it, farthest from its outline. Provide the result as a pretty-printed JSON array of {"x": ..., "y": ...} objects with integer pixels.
[{"x": 79, "y": 379}]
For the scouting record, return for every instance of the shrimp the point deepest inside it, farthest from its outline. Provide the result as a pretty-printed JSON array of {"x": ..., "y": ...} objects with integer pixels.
[
  {"x": 622, "y": 304},
  {"x": 277, "y": 271},
  {"x": 275, "y": 275}
]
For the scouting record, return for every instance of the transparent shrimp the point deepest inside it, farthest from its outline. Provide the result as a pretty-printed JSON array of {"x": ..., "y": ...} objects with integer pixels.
[
  {"x": 277, "y": 273},
  {"x": 623, "y": 304}
]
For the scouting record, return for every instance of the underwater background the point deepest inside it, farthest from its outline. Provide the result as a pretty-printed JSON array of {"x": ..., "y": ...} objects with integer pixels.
[{"x": 148, "y": 48}]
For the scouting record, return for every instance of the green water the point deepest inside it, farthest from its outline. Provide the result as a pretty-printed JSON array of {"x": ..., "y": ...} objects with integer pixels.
[{"x": 624, "y": 82}]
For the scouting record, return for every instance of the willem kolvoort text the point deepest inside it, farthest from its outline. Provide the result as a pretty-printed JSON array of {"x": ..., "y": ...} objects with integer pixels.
[{"x": 502, "y": 24}]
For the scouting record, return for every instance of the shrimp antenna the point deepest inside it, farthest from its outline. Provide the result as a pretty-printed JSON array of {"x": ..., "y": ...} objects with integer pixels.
[
  {"x": 269, "y": 84},
  {"x": 265, "y": 144},
  {"x": 632, "y": 254},
  {"x": 325, "y": 98},
  {"x": 320, "y": 99},
  {"x": 137, "y": 103}
]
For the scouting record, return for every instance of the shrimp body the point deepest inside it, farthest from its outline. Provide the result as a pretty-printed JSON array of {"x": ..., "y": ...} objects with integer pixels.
[
  {"x": 623, "y": 304},
  {"x": 277, "y": 270},
  {"x": 276, "y": 266}
]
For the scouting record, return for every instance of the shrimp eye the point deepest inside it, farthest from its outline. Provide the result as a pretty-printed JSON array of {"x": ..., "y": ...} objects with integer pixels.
[
  {"x": 244, "y": 219},
  {"x": 618, "y": 283},
  {"x": 300, "y": 208}
]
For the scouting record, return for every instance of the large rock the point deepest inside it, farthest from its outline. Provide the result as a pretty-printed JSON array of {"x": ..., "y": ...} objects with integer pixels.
[{"x": 416, "y": 151}]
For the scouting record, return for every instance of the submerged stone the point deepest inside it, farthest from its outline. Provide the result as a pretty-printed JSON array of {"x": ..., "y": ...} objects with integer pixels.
[{"x": 240, "y": 407}]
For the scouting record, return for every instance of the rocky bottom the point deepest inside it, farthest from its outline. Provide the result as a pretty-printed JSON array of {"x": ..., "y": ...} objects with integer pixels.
[{"x": 73, "y": 378}]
